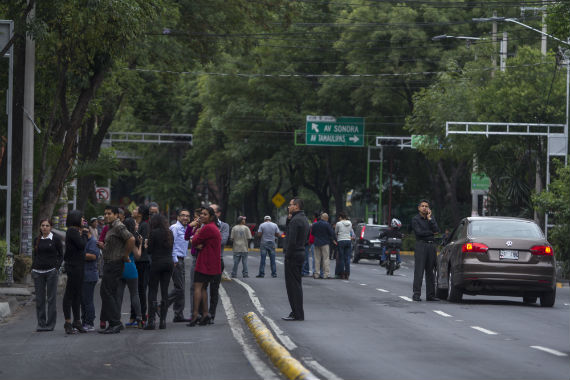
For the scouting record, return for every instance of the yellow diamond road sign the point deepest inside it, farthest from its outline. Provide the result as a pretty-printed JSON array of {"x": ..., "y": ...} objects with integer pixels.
[{"x": 278, "y": 200}]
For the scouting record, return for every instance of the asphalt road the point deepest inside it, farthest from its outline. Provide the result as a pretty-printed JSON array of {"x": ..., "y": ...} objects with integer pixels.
[{"x": 364, "y": 328}]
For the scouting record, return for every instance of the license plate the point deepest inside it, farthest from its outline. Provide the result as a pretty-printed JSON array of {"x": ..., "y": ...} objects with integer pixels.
[
  {"x": 508, "y": 254},
  {"x": 393, "y": 256}
]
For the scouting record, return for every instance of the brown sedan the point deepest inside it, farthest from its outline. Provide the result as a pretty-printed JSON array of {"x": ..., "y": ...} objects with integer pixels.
[{"x": 497, "y": 256}]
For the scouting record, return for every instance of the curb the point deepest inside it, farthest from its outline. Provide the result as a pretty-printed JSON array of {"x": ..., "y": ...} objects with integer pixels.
[{"x": 280, "y": 357}]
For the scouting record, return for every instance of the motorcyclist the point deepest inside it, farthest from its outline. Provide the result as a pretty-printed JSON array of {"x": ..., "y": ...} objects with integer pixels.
[{"x": 392, "y": 232}]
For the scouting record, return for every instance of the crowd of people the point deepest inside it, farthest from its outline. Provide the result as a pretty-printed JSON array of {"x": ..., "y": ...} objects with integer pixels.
[
  {"x": 142, "y": 252},
  {"x": 139, "y": 251}
]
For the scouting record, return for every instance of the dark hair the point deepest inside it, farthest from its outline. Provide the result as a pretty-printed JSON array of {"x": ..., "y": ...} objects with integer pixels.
[
  {"x": 423, "y": 201},
  {"x": 341, "y": 215},
  {"x": 143, "y": 211},
  {"x": 44, "y": 220},
  {"x": 198, "y": 210},
  {"x": 158, "y": 222},
  {"x": 128, "y": 213},
  {"x": 114, "y": 209},
  {"x": 182, "y": 209},
  {"x": 131, "y": 225},
  {"x": 212, "y": 214},
  {"x": 299, "y": 202},
  {"x": 74, "y": 219},
  {"x": 153, "y": 204}
]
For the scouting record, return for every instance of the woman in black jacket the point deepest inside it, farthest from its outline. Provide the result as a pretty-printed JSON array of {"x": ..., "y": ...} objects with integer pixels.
[
  {"x": 47, "y": 256},
  {"x": 75, "y": 240},
  {"x": 160, "y": 242}
]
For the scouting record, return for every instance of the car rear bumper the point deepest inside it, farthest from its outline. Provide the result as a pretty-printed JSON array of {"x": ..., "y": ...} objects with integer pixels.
[
  {"x": 525, "y": 280},
  {"x": 373, "y": 253}
]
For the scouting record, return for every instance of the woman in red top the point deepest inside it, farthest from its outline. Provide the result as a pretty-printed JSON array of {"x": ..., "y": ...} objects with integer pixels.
[{"x": 208, "y": 241}]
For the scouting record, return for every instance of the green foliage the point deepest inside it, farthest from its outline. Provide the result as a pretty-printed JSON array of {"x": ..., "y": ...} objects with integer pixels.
[
  {"x": 555, "y": 201},
  {"x": 3, "y": 253}
]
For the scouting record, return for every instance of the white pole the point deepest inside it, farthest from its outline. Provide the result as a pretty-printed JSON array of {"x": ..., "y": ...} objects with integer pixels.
[{"x": 504, "y": 52}]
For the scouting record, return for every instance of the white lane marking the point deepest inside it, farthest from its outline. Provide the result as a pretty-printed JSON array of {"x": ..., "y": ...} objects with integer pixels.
[
  {"x": 363, "y": 284},
  {"x": 258, "y": 365},
  {"x": 374, "y": 269},
  {"x": 441, "y": 313},
  {"x": 488, "y": 332},
  {"x": 549, "y": 350},
  {"x": 285, "y": 340},
  {"x": 174, "y": 343},
  {"x": 383, "y": 290},
  {"x": 567, "y": 304},
  {"x": 346, "y": 281},
  {"x": 406, "y": 298},
  {"x": 310, "y": 362},
  {"x": 279, "y": 262}
]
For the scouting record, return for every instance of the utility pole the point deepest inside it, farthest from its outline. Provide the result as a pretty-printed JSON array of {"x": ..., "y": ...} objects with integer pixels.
[
  {"x": 27, "y": 210},
  {"x": 504, "y": 52},
  {"x": 494, "y": 39}
]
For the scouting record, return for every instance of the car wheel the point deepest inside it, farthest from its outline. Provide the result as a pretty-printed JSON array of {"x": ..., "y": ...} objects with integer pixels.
[
  {"x": 455, "y": 293},
  {"x": 529, "y": 299},
  {"x": 440, "y": 293},
  {"x": 547, "y": 299}
]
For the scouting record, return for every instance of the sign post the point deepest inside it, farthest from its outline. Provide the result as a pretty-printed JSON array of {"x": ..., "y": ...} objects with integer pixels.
[{"x": 332, "y": 131}]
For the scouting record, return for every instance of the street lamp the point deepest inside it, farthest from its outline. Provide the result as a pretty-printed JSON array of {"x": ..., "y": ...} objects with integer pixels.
[
  {"x": 468, "y": 40},
  {"x": 514, "y": 20}
]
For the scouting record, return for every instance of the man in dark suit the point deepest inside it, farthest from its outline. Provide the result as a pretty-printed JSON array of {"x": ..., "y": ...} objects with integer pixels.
[{"x": 297, "y": 237}]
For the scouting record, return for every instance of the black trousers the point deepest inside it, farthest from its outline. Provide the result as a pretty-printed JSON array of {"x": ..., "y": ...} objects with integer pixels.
[
  {"x": 293, "y": 282},
  {"x": 214, "y": 293},
  {"x": 143, "y": 270},
  {"x": 160, "y": 273},
  {"x": 73, "y": 290},
  {"x": 176, "y": 295},
  {"x": 424, "y": 261},
  {"x": 110, "y": 309}
]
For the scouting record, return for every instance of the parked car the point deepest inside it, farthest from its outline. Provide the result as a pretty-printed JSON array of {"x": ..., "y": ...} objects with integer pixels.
[
  {"x": 497, "y": 256},
  {"x": 367, "y": 243}
]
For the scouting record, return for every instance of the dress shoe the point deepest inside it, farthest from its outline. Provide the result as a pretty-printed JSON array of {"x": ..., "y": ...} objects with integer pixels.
[
  {"x": 78, "y": 326},
  {"x": 178, "y": 319},
  {"x": 111, "y": 330},
  {"x": 432, "y": 299},
  {"x": 205, "y": 321},
  {"x": 259, "y": 276},
  {"x": 416, "y": 298},
  {"x": 194, "y": 321},
  {"x": 289, "y": 318}
]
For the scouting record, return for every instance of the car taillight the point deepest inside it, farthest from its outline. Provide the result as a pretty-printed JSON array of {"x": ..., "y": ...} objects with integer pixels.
[
  {"x": 362, "y": 232},
  {"x": 474, "y": 247},
  {"x": 542, "y": 250}
]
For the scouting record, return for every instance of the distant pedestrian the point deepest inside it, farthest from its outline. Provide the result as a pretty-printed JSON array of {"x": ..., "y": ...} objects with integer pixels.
[
  {"x": 143, "y": 262},
  {"x": 425, "y": 255},
  {"x": 153, "y": 209},
  {"x": 93, "y": 228},
  {"x": 208, "y": 266},
  {"x": 176, "y": 296},
  {"x": 240, "y": 236},
  {"x": 118, "y": 244},
  {"x": 344, "y": 243},
  {"x": 297, "y": 239},
  {"x": 75, "y": 240},
  {"x": 160, "y": 250},
  {"x": 47, "y": 256},
  {"x": 324, "y": 237},
  {"x": 191, "y": 230},
  {"x": 90, "y": 278},
  {"x": 130, "y": 277},
  {"x": 267, "y": 231},
  {"x": 215, "y": 285}
]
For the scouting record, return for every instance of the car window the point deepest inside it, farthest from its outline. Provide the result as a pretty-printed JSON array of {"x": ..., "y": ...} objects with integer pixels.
[
  {"x": 505, "y": 229},
  {"x": 372, "y": 232},
  {"x": 459, "y": 232}
]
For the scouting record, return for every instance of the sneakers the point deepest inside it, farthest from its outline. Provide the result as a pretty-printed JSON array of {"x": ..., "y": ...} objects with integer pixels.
[
  {"x": 132, "y": 323},
  {"x": 245, "y": 276},
  {"x": 102, "y": 325},
  {"x": 233, "y": 275},
  {"x": 259, "y": 276},
  {"x": 69, "y": 328},
  {"x": 88, "y": 327},
  {"x": 273, "y": 275}
]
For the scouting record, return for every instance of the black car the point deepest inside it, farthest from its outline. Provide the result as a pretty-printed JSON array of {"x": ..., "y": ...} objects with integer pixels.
[{"x": 367, "y": 242}]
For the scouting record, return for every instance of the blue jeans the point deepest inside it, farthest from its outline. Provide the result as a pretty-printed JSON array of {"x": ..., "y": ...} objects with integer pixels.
[
  {"x": 383, "y": 257},
  {"x": 237, "y": 257},
  {"x": 307, "y": 265},
  {"x": 87, "y": 306},
  {"x": 265, "y": 248},
  {"x": 343, "y": 259}
]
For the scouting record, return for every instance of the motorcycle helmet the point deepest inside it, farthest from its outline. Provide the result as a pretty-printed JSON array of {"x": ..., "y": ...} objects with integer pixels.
[{"x": 396, "y": 223}]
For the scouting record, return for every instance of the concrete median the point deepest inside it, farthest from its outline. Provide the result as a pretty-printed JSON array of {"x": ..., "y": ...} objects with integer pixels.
[{"x": 280, "y": 357}]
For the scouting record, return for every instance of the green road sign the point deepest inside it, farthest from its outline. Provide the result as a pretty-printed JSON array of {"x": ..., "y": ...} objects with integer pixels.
[
  {"x": 331, "y": 131},
  {"x": 480, "y": 181}
]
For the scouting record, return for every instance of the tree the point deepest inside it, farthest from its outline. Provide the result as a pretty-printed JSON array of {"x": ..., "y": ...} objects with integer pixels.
[{"x": 555, "y": 201}]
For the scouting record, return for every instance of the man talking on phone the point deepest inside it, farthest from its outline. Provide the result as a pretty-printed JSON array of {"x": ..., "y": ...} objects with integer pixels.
[{"x": 425, "y": 255}]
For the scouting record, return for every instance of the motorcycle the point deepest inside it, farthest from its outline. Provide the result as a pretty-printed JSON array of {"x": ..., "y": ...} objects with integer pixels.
[{"x": 393, "y": 246}]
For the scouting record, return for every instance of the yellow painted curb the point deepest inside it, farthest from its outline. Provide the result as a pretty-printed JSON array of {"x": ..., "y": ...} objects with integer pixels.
[
  {"x": 558, "y": 284},
  {"x": 280, "y": 357}
]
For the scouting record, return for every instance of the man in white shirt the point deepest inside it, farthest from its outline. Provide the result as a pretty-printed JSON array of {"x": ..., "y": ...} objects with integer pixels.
[
  {"x": 240, "y": 235},
  {"x": 268, "y": 231},
  {"x": 179, "y": 252}
]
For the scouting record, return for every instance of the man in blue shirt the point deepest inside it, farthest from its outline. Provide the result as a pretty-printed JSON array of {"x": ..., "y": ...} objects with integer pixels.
[
  {"x": 179, "y": 252},
  {"x": 91, "y": 275},
  {"x": 324, "y": 237},
  {"x": 268, "y": 231}
]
